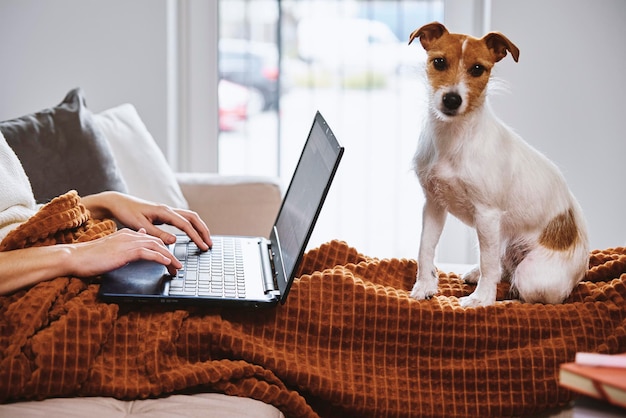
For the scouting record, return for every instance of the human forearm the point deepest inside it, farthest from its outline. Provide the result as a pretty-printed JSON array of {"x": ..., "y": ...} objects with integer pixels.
[{"x": 26, "y": 267}]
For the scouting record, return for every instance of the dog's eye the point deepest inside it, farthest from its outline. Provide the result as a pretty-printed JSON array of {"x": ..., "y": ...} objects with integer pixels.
[
  {"x": 477, "y": 70},
  {"x": 440, "y": 64}
]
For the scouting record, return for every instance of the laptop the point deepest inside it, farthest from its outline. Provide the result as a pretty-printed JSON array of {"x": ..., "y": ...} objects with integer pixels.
[{"x": 238, "y": 270}]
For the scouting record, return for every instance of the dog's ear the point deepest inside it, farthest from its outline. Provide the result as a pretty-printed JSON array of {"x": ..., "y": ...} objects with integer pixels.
[
  {"x": 499, "y": 44},
  {"x": 428, "y": 33}
]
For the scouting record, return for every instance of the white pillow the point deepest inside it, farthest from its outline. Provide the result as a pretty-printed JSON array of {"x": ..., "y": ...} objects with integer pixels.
[{"x": 139, "y": 158}]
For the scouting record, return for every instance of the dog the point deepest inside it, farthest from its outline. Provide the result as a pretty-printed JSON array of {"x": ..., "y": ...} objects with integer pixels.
[{"x": 530, "y": 228}]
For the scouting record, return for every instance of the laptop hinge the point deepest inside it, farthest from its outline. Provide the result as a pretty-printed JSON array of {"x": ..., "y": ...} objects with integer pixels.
[{"x": 271, "y": 286}]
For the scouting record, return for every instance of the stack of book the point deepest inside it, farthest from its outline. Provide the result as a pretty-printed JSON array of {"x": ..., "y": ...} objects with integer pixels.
[{"x": 600, "y": 376}]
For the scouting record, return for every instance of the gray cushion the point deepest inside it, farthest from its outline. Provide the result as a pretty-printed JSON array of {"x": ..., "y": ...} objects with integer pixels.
[{"x": 61, "y": 148}]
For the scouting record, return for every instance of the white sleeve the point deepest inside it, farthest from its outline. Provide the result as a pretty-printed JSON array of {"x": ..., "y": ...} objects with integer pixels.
[{"x": 17, "y": 202}]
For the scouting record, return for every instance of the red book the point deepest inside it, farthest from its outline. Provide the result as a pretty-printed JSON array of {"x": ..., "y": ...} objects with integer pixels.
[{"x": 601, "y": 382}]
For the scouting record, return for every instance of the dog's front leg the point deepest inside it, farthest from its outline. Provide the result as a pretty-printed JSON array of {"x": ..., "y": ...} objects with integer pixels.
[
  {"x": 433, "y": 220},
  {"x": 488, "y": 230}
]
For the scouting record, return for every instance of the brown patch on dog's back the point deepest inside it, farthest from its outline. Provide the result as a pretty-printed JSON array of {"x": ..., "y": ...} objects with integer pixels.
[{"x": 560, "y": 233}]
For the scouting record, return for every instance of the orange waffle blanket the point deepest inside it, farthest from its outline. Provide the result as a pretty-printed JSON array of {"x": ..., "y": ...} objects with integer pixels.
[{"x": 348, "y": 342}]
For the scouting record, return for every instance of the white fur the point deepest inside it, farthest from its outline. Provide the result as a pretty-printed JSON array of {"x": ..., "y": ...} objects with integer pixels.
[{"x": 476, "y": 168}]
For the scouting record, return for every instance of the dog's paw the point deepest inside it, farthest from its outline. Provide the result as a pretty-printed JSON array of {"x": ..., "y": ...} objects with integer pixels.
[
  {"x": 472, "y": 276},
  {"x": 474, "y": 300},
  {"x": 424, "y": 289}
]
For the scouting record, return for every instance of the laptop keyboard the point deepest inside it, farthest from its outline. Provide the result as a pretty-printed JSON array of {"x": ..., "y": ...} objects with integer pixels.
[{"x": 217, "y": 272}]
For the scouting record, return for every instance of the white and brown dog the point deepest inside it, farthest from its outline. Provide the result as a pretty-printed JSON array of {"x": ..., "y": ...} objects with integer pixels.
[{"x": 530, "y": 227}]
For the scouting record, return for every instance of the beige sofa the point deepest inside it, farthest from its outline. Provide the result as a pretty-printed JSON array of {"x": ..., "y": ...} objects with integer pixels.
[
  {"x": 238, "y": 205},
  {"x": 229, "y": 205},
  {"x": 202, "y": 405}
]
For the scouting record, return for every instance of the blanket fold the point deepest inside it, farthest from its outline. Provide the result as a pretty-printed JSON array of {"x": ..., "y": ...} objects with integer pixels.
[{"x": 348, "y": 342}]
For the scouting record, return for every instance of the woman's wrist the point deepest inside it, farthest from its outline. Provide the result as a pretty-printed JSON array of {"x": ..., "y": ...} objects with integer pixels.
[{"x": 99, "y": 204}]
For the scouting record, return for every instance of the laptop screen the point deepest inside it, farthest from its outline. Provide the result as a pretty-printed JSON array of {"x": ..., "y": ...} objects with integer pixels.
[{"x": 305, "y": 196}]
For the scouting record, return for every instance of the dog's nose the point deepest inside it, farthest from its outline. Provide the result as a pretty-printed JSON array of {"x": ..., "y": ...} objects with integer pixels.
[{"x": 452, "y": 101}]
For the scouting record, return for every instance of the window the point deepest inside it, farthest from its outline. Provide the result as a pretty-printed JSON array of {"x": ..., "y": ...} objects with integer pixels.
[{"x": 280, "y": 61}]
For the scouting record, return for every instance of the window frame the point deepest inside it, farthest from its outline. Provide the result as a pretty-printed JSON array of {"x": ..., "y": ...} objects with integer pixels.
[{"x": 193, "y": 136}]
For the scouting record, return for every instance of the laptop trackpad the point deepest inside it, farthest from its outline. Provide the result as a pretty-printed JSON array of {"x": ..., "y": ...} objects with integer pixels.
[{"x": 137, "y": 278}]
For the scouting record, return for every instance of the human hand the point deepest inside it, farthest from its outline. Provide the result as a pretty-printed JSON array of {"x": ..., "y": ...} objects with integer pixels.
[
  {"x": 95, "y": 257},
  {"x": 137, "y": 213}
]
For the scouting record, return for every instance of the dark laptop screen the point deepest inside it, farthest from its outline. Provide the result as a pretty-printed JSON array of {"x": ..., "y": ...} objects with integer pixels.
[{"x": 305, "y": 195}]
